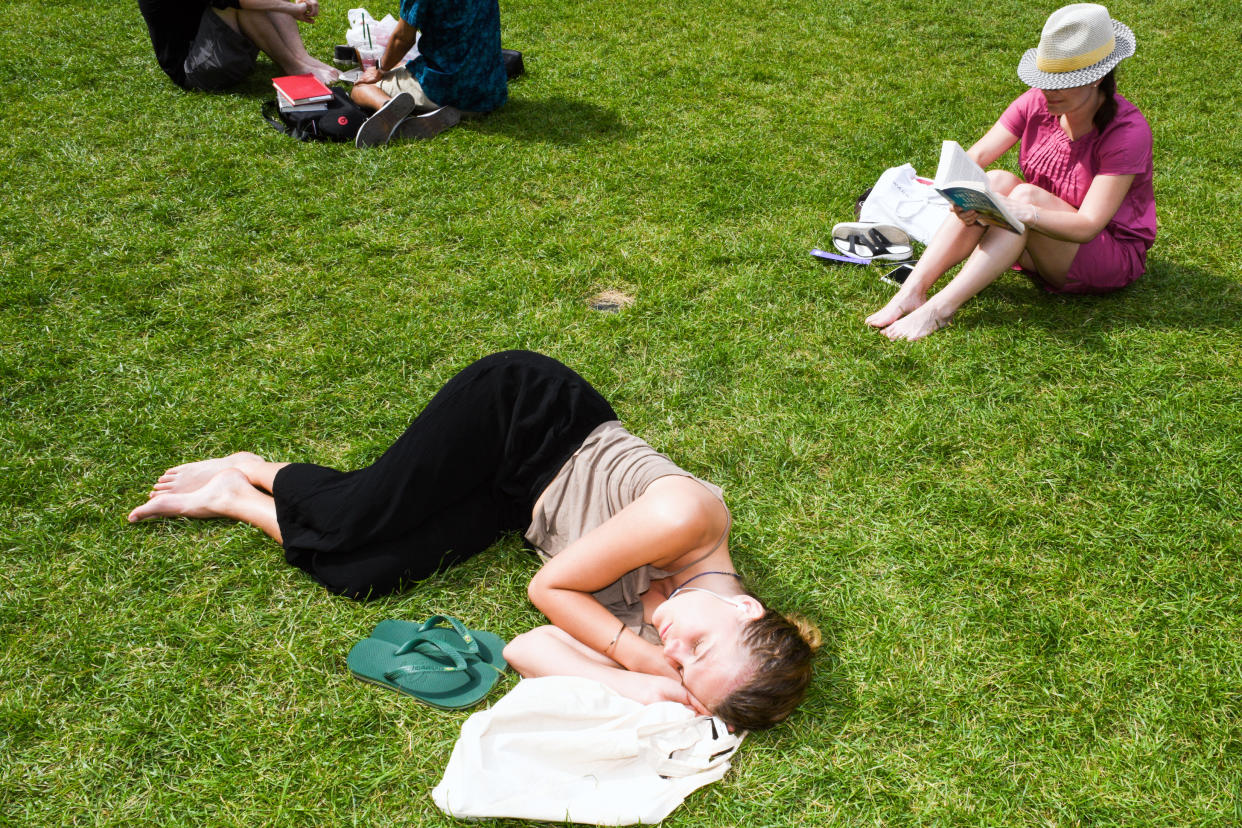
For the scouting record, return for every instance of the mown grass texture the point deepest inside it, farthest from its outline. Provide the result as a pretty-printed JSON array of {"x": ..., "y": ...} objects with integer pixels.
[{"x": 1020, "y": 536}]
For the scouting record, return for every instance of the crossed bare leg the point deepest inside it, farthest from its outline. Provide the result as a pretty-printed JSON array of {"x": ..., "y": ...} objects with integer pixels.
[
  {"x": 986, "y": 252},
  {"x": 234, "y": 487},
  {"x": 190, "y": 476}
]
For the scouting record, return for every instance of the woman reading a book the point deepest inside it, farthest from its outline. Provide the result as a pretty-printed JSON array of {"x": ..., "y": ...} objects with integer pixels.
[
  {"x": 1086, "y": 202},
  {"x": 637, "y": 578}
]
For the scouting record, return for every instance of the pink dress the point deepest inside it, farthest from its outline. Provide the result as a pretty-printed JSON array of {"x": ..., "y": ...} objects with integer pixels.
[{"x": 1049, "y": 159}]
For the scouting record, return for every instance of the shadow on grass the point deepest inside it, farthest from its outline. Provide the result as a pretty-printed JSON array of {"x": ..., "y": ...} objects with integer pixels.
[
  {"x": 1169, "y": 296},
  {"x": 555, "y": 120},
  {"x": 257, "y": 85}
]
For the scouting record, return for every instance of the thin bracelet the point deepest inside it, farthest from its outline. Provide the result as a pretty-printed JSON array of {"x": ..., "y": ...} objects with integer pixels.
[
  {"x": 1036, "y": 209},
  {"x": 615, "y": 639}
]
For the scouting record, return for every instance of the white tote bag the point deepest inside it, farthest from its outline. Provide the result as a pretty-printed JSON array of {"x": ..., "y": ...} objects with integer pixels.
[
  {"x": 901, "y": 198},
  {"x": 568, "y": 749}
]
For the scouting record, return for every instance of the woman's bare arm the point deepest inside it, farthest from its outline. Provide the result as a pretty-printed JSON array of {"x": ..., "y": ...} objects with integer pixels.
[
  {"x": 676, "y": 516},
  {"x": 996, "y": 142},
  {"x": 304, "y": 10},
  {"x": 1060, "y": 221},
  {"x": 549, "y": 651}
]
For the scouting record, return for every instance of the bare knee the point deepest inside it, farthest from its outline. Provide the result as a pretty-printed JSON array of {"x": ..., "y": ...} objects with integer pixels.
[
  {"x": 1003, "y": 181},
  {"x": 1026, "y": 193},
  {"x": 524, "y": 649},
  {"x": 368, "y": 95}
]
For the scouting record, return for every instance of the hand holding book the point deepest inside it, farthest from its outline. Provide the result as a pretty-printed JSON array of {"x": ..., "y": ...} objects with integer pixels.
[
  {"x": 1024, "y": 213},
  {"x": 965, "y": 186}
]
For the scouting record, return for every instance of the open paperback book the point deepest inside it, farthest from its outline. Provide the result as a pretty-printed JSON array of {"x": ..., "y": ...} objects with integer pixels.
[{"x": 964, "y": 183}]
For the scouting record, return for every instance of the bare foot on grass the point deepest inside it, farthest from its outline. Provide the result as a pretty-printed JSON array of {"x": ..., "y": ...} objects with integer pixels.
[
  {"x": 189, "y": 477},
  {"x": 896, "y": 308},
  {"x": 210, "y": 500},
  {"x": 919, "y": 323}
]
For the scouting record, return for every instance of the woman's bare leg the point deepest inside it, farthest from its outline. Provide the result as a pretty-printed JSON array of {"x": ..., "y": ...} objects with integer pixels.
[
  {"x": 187, "y": 477},
  {"x": 277, "y": 36},
  {"x": 228, "y": 494},
  {"x": 1050, "y": 258},
  {"x": 261, "y": 473},
  {"x": 190, "y": 476},
  {"x": 997, "y": 251},
  {"x": 237, "y": 486},
  {"x": 949, "y": 247}
]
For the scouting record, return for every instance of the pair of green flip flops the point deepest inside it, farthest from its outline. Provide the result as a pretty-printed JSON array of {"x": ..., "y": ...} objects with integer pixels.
[{"x": 439, "y": 662}]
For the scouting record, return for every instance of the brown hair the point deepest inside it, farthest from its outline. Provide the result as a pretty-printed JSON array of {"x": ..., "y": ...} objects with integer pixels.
[
  {"x": 1108, "y": 106},
  {"x": 780, "y": 650}
]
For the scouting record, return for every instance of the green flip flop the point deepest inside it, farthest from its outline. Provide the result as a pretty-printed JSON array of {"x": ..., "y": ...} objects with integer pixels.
[
  {"x": 427, "y": 671},
  {"x": 479, "y": 645}
]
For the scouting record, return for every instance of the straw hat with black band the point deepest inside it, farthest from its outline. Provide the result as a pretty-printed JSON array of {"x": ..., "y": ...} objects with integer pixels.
[{"x": 1079, "y": 45}]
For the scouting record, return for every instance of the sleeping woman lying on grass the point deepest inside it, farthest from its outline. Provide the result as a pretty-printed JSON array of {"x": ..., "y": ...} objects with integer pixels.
[
  {"x": 637, "y": 579},
  {"x": 1087, "y": 199}
]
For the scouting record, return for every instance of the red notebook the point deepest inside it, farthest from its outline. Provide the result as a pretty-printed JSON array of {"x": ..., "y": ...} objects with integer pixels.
[{"x": 302, "y": 89}]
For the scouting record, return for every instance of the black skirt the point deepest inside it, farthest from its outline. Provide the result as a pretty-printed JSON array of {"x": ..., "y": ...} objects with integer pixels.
[{"x": 468, "y": 469}]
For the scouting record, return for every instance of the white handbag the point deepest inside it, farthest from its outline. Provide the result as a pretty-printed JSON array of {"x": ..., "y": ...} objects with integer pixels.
[{"x": 901, "y": 198}]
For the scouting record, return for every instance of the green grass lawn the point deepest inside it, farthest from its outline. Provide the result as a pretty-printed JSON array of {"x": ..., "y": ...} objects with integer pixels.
[{"x": 1020, "y": 536}]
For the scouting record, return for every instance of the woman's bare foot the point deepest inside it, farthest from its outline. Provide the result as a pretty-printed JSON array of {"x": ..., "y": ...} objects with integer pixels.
[
  {"x": 324, "y": 73},
  {"x": 216, "y": 498},
  {"x": 188, "y": 477},
  {"x": 897, "y": 307},
  {"x": 918, "y": 324}
]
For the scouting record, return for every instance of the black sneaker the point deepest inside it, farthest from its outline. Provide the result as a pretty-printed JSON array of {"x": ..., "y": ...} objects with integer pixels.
[
  {"x": 428, "y": 124},
  {"x": 376, "y": 130}
]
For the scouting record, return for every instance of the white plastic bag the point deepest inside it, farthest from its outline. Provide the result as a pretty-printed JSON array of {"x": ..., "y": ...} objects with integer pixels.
[
  {"x": 361, "y": 23},
  {"x": 901, "y": 198}
]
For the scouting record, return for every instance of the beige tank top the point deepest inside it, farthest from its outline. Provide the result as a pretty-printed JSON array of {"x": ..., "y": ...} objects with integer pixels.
[{"x": 610, "y": 470}]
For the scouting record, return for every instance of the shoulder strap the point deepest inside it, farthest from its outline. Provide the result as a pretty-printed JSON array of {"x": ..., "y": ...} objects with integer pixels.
[
  {"x": 715, "y": 546},
  {"x": 270, "y": 112}
]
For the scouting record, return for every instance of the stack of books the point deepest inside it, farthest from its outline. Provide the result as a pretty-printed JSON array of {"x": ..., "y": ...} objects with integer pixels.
[{"x": 301, "y": 93}]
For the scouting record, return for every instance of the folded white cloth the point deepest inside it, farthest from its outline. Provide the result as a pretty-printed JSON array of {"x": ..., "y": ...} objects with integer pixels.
[{"x": 570, "y": 749}]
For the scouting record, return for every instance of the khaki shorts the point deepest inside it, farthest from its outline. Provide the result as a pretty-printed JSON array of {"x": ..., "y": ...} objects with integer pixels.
[{"x": 400, "y": 80}]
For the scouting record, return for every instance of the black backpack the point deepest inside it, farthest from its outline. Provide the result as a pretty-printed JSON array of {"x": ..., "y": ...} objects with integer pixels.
[{"x": 339, "y": 122}]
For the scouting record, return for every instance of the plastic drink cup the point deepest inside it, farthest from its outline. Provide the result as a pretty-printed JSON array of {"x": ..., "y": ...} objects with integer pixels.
[{"x": 369, "y": 56}]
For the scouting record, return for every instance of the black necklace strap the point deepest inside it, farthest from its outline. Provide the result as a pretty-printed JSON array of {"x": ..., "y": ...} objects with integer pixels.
[{"x": 712, "y": 572}]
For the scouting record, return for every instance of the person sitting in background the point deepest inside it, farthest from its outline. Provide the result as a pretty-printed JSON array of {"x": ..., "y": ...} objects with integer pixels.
[
  {"x": 1087, "y": 199},
  {"x": 458, "y": 72},
  {"x": 212, "y": 44}
]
